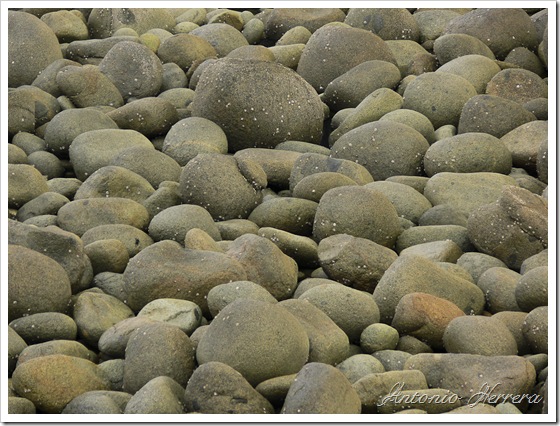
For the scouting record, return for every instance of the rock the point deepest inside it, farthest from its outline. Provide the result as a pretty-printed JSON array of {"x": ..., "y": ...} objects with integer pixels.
[
  {"x": 538, "y": 107},
  {"x": 277, "y": 164},
  {"x": 302, "y": 249},
  {"x": 498, "y": 284},
  {"x": 475, "y": 334},
  {"x": 297, "y": 114},
  {"x": 98, "y": 402},
  {"x": 253, "y": 31},
  {"x": 420, "y": 234},
  {"x": 16, "y": 155},
  {"x": 166, "y": 343},
  {"x": 313, "y": 187},
  {"x": 408, "y": 202},
  {"x": 161, "y": 395},
  {"x": 524, "y": 143},
  {"x": 51, "y": 382},
  {"x": 222, "y": 37},
  {"x": 133, "y": 238},
  {"x": 173, "y": 77},
  {"x": 166, "y": 270},
  {"x": 247, "y": 52},
  {"x": 240, "y": 334},
  {"x": 93, "y": 51},
  {"x": 46, "y": 203},
  {"x": 197, "y": 239},
  {"x": 503, "y": 115},
  {"x": 36, "y": 283},
  {"x": 104, "y": 23},
  {"x": 224, "y": 294},
  {"x": 32, "y": 47},
  {"x": 392, "y": 360},
  {"x": 468, "y": 153},
  {"x": 234, "y": 228},
  {"x": 134, "y": 69},
  {"x": 113, "y": 370},
  {"x": 432, "y": 23},
  {"x": 351, "y": 310},
  {"x": 114, "y": 340},
  {"x": 81, "y": 215},
  {"x": 94, "y": 149},
  {"x": 47, "y": 164},
  {"x": 409, "y": 55},
  {"x": 276, "y": 389},
  {"x": 413, "y": 119},
  {"x": 17, "y": 405},
  {"x": 539, "y": 259},
  {"x": 378, "y": 337},
  {"x": 528, "y": 182},
  {"x": 373, "y": 387},
  {"x": 335, "y": 49},
  {"x": 352, "y": 87},
  {"x": 452, "y": 46},
  {"x": 216, "y": 388},
  {"x": 500, "y": 29},
  {"x": 184, "y": 50},
  {"x": 412, "y": 345},
  {"x": 280, "y": 21},
  {"x": 24, "y": 184},
  {"x": 321, "y": 389},
  {"x": 192, "y": 136},
  {"x": 479, "y": 70},
  {"x": 303, "y": 147},
  {"x": 111, "y": 283},
  {"x": 531, "y": 290},
  {"x": 535, "y": 330},
  {"x": 353, "y": 261},
  {"x": 22, "y": 112},
  {"x": 16, "y": 345},
  {"x": 28, "y": 142},
  {"x": 359, "y": 366},
  {"x": 181, "y": 313},
  {"x": 437, "y": 251},
  {"x": 108, "y": 255},
  {"x": 288, "y": 56},
  {"x": 149, "y": 116},
  {"x": 515, "y": 321},
  {"x": 45, "y": 326},
  {"x": 293, "y": 215},
  {"x": 389, "y": 24},
  {"x": 439, "y": 96},
  {"x": 443, "y": 214},
  {"x": 265, "y": 264},
  {"x": 518, "y": 85},
  {"x": 518, "y": 221},
  {"x": 214, "y": 176},
  {"x": 413, "y": 274},
  {"x": 66, "y": 25},
  {"x": 56, "y": 347},
  {"x": 515, "y": 375},
  {"x": 174, "y": 222},
  {"x": 466, "y": 191},
  {"x": 340, "y": 213},
  {"x": 312, "y": 163},
  {"x": 295, "y": 35},
  {"x": 328, "y": 343},
  {"x": 524, "y": 58},
  {"x": 87, "y": 87}
]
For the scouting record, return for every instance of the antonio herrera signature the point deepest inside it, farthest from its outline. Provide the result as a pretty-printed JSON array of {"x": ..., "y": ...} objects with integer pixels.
[{"x": 486, "y": 394}]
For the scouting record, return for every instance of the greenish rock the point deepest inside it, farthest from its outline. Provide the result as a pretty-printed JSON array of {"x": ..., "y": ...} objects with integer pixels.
[
  {"x": 110, "y": 283},
  {"x": 224, "y": 294},
  {"x": 223, "y": 37},
  {"x": 477, "y": 263},
  {"x": 392, "y": 360},
  {"x": 416, "y": 182},
  {"x": 314, "y": 281},
  {"x": 452, "y": 46},
  {"x": 524, "y": 58},
  {"x": 28, "y": 142},
  {"x": 181, "y": 313},
  {"x": 412, "y": 345},
  {"x": 98, "y": 402},
  {"x": 104, "y": 23},
  {"x": 498, "y": 285},
  {"x": 253, "y": 30},
  {"x": 134, "y": 239},
  {"x": 47, "y": 163},
  {"x": 113, "y": 371},
  {"x": 280, "y": 21},
  {"x": 93, "y": 50},
  {"x": 22, "y": 112},
  {"x": 302, "y": 249},
  {"x": 414, "y": 119},
  {"x": 443, "y": 214},
  {"x": 24, "y": 184},
  {"x": 161, "y": 395},
  {"x": 377, "y": 337},
  {"x": 302, "y": 147},
  {"x": 45, "y": 326},
  {"x": 241, "y": 337},
  {"x": 56, "y": 347},
  {"x": 432, "y": 22},
  {"x": 422, "y": 234},
  {"x": 314, "y": 186},
  {"x": 17, "y": 405},
  {"x": 539, "y": 259},
  {"x": 66, "y": 25},
  {"x": 16, "y": 155},
  {"x": 294, "y": 215},
  {"x": 477, "y": 69},
  {"x": 110, "y": 255},
  {"x": 389, "y": 24},
  {"x": 515, "y": 322},
  {"x": 405, "y": 52},
  {"x": 295, "y": 35},
  {"x": 535, "y": 330},
  {"x": 44, "y": 204},
  {"x": 64, "y": 186},
  {"x": 276, "y": 389},
  {"x": 409, "y": 203},
  {"x": 531, "y": 290},
  {"x": 174, "y": 222},
  {"x": 197, "y": 239},
  {"x": 249, "y": 52}
]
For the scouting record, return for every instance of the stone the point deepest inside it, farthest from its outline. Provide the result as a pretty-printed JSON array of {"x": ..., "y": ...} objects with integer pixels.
[
  {"x": 415, "y": 274},
  {"x": 295, "y": 35},
  {"x": 227, "y": 187},
  {"x": 539, "y": 259},
  {"x": 498, "y": 285},
  {"x": 56, "y": 347},
  {"x": 16, "y": 155},
  {"x": 339, "y": 212},
  {"x": 173, "y": 77},
  {"x": 98, "y": 402},
  {"x": 80, "y": 216},
  {"x": 391, "y": 359},
  {"x": 414, "y": 119},
  {"x": 47, "y": 163},
  {"x": 432, "y": 23},
  {"x": 197, "y": 239},
  {"x": 66, "y": 25},
  {"x": 16, "y": 345},
  {"x": 439, "y": 96},
  {"x": 477, "y": 334},
  {"x": 110, "y": 255},
  {"x": 36, "y": 283},
  {"x": 531, "y": 290},
  {"x": 412, "y": 345},
  {"x": 222, "y": 37},
  {"x": 134, "y": 69},
  {"x": 525, "y": 142},
  {"x": 45, "y": 326},
  {"x": 166, "y": 270},
  {"x": 114, "y": 340},
  {"x": 184, "y": 50},
  {"x": 17, "y": 405},
  {"x": 22, "y": 112},
  {"x": 104, "y": 22},
  {"x": 161, "y": 395},
  {"x": 249, "y": 52},
  {"x": 277, "y": 164},
  {"x": 181, "y": 313},
  {"x": 113, "y": 371},
  {"x": 234, "y": 228},
  {"x": 249, "y": 120},
  {"x": 289, "y": 214},
  {"x": 174, "y": 222},
  {"x": 240, "y": 336},
  {"x": 24, "y": 184},
  {"x": 171, "y": 347},
  {"x": 355, "y": 262},
  {"x": 524, "y": 58},
  {"x": 420, "y": 234},
  {"x": 314, "y": 186},
  {"x": 222, "y": 295},
  {"x": 265, "y": 264},
  {"x": 437, "y": 251},
  {"x": 378, "y": 337},
  {"x": 479, "y": 70},
  {"x": 302, "y": 249},
  {"x": 389, "y": 24},
  {"x": 51, "y": 382},
  {"x": 327, "y": 342},
  {"x": 44, "y": 204},
  {"x": 452, "y": 46},
  {"x": 359, "y": 366},
  {"x": 280, "y": 21},
  {"x": 335, "y": 49},
  {"x": 535, "y": 330},
  {"x": 503, "y": 115},
  {"x": 134, "y": 239},
  {"x": 28, "y": 142},
  {"x": 276, "y": 389},
  {"x": 351, "y": 310},
  {"x": 515, "y": 321},
  {"x": 217, "y": 388},
  {"x": 93, "y": 51},
  {"x": 111, "y": 283},
  {"x": 408, "y": 202},
  {"x": 518, "y": 85},
  {"x": 29, "y": 38},
  {"x": 468, "y": 153},
  {"x": 409, "y": 54}
]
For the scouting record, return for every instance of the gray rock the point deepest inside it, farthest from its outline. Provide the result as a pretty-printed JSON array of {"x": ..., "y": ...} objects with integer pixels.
[
  {"x": 515, "y": 322},
  {"x": 327, "y": 342},
  {"x": 335, "y": 49},
  {"x": 477, "y": 69},
  {"x": 81, "y": 215},
  {"x": 257, "y": 53},
  {"x": 67, "y": 26},
  {"x": 389, "y": 24},
  {"x": 93, "y": 51},
  {"x": 524, "y": 143},
  {"x": 280, "y": 21},
  {"x": 351, "y": 310},
  {"x": 411, "y": 57},
  {"x": 161, "y": 395},
  {"x": 503, "y": 115},
  {"x": 535, "y": 330},
  {"x": 253, "y": 30},
  {"x": 476, "y": 334},
  {"x": 152, "y": 165},
  {"x": 241, "y": 337},
  {"x": 16, "y": 345},
  {"x": 98, "y": 402},
  {"x": 24, "y": 184},
  {"x": 166, "y": 343},
  {"x": 277, "y": 164},
  {"x": 227, "y": 187},
  {"x": 16, "y": 155},
  {"x": 47, "y": 163},
  {"x": 408, "y": 202},
  {"x": 181, "y": 313},
  {"x": 17, "y": 405},
  {"x": 392, "y": 360},
  {"x": 432, "y": 22},
  {"x": 359, "y": 366},
  {"x": 293, "y": 215},
  {"x": 353, "y": 261},
  {"x": 197, "y": 239},
  {"x": 313, "y": 187},
  {"x": 412, "y": 345},
  {"x": 44, "y": 204},
  {"x": 29, "y": 38},
  {"x": 297, "y": 113},
  {"x": 141, "y": 80},
  {"x": 222, "y": 37},
  {"x": 303, "y": 147},
  {"x": 539, "y": 259},
  {"x": 437, "y": 251},
  {"x": 498, "y": 285},
  {"x": 420, "y": 234},
  {"x": 314, "y": 281},
  {"x": 36, "y": 283},
  {"x": 173, "y": 77},
  {"x": 111, "y": 283},
  {"x": 216, "y": 388},
  {"x": 477, "y": 263},
  {"x": 110, "y": 255},
  {"x": 538, "y": 107},
  {"x": 28, "y": 142},
  {"x": 41, "y": 327},
  {"x": 276, "y": 389},
  {"x": 174, "y": 222},
  {"x": 234, "y": 228},
  {"x": 518, "y": 85},
  {"x": 321, "y": 389},
  {"x": 166, "y": 270},
  {"x": 56, "y": 347},
  {"x": 265, "y": 264},
  {"x": 114, "y": 340},
  {"x": 222, "y": 295},
  {"x": 414, "y": 119},
  {"x": 51, "y": 382},
  {"x": 21, "y": 108},
  {"x": 113, "y": 371},
  {"x": 339, "y": 212},
  {"x": 413, "y": 274},
  {"x": 302, "y": 249},
  {"x": 531, "y": 291},
  {"x": 295, "y": 35},
  {"x": 452, "y": 46},
  {"x": 104, "y": 23},
  {"x": 134, "y": 239},
  {"x": 378, "y": 337}
]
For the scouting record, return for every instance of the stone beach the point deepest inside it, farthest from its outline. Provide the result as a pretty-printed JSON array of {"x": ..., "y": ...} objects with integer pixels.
[{"x": 277, "y": 211}]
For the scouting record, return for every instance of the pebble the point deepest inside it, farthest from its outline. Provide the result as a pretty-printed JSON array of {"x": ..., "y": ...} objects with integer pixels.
[
  {"x": 389, "y": 24},
  {"x": 514, "y": 321},
  {"x": 531, "y": 290},
  {"x": 98, "y": 402},
  {"x": 437, "y": 251},
  {"x": 17, "y": 405},
  {"x": 222, "y": 295},
  {"x": 518, "y": 85},
  {"x": 181, "y": 313},
  {"x": 234, "y": 228},
  {"x": 276, "y": 389},
  {"x": 45, "y": 326},
  {"x": 174, "y": 222},
  {"x": 378, "y": 337},
  {"x": 161, "y": 395},
  {"x": 277, "y": 164},
  {"x": 25, "y": 183},
  {"x": 48, "y": 203},
  {"x": 103, "y": 23},
  {"x": 535, "y": 330}
]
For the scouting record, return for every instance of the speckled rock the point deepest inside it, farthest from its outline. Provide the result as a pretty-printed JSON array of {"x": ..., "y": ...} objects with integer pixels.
[
  {"x": 235, "y": 228},
  {"x": 45, "y": 326},
  {"x": 313, "y": 187},
  {"x": 45, "y": 204},
  {"x": 525, "y": 142},
  {"x": 389, "y": 24},
  {"x": 408, "y": 202},
  {"x": 302, "y": 249},
  {"x": 134, "y": 239},
  {"x": 432, "y": 22},
  {"x": 414, "y": 119},
  {"x": 280, "y": 21},
  {"x": 184, "y": 50},
  {"x": 174, "y": 222},
  {"x": 24, "y": 184},
  {"x": 181, "y": 313},
  {"x": 531, "y": 290},
  {"x": 518, "y": 85},
  {"x": 498, "y": 285},
  {"x": 535, "y": 330},
  {"x": 359, "y": 366},
  {"x": 420, "y": 234},
  {"x": 293, "y": 215},
  {"x": 452, "y": 46},
  {"x": 277, "y": 164},
  {"x": 477, "y": 69},
  {"x": 16, "y": 345},
  {"x": 477, "y": 263},
  {"x": 222, "y": 37},
  {"x": 224, "y": 294}
]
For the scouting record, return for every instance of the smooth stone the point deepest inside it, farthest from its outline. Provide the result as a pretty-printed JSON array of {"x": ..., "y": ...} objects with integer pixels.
[
  {"x": 314, "y": 186},
  {"x": 28, "y": 142},
  {"x": 48, "y": 203},
  {"x": 498, "y": 285},
  {"x": 276, "y": 389},
  {"x": 16, "y": 155},
  {"x": 277, "y": 164},
  {"x": 535, "y": 330},
  {"x": 224, "y": 294},
  {"x": 378, "y": 337},
  {"x": 406, "y": 52},
  {"x": 421, "y": 234},
  {"x": 45, "y": 326},
  {"x": 161, "y": 395},
  {"x": 538, "y": 107},
  {"x": 295, "y": 35},
  {"x": 66, "y": 25},
  {"x": 113, "y": 371},
  {"x": 197, "y": 239},
  {"x": 391, "y": 359},
  {"x": 173, "y": 77},
  {"x": 98, "y": 402},
  {"x": 114, "y": 340},
  {"x": 302, "y": 249},
  {"x": 412, "y": 345},
  {"x": 174, "y": 222},
  {"x": 321, "y": 389},
  {"x": 524, "y": 143},
  {"x": 16, "y": 346},
  {"x": 518, "y": 85},
  {"x": 477, "y": 263},
  {"x": 167, "y": 196},
  {"x": 280, "y": 21},
  {"x": 437, "y": 251},
  {"x": 56, "y": 347},
  {"x": 294, "y": 215},
  {"x": 539, "y": 259},
  {"x": 222, "y": 37},
  {"x": 531, "y": 290},
  {"x": 477, "y": 69},
  {"x": 17, "y": 405},
  {"x": 240, "y": 336},
  {"x": 48, "y": 164},
  {"x": 22, "y": 112},
  {"x": 389, "y": 24},
  {"x": 93, "y": 50},
  {"x": 414, "y": 119},
  {"x": 25, "y": 183},
  {"x": 314, "y": 281},
  {"x": 110, "y": 283},
  {"x": 134, "y": 239},
  {"x": 181, "y": 313},
  {"x": 408, "y": 202},
  {"x": 359, "y": 366},
  {"x": 515, "y": 321},
  {"x": 302, "y": 147},
  {"x": 235, "y": 228},
  {"x": 104, "y": 23},
  {"x": 432, "y": 23}
]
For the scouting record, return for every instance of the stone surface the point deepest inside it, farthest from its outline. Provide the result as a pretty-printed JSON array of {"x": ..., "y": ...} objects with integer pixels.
[
  {"x": 289, "y": 214},
  {"x": 180, "y": 313},
  {"x": 45, "y": 326},
  {"x": 161, "y": 395},
  {"x": 174, "y": 222},
  {"x": 531, "y": 290}
]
